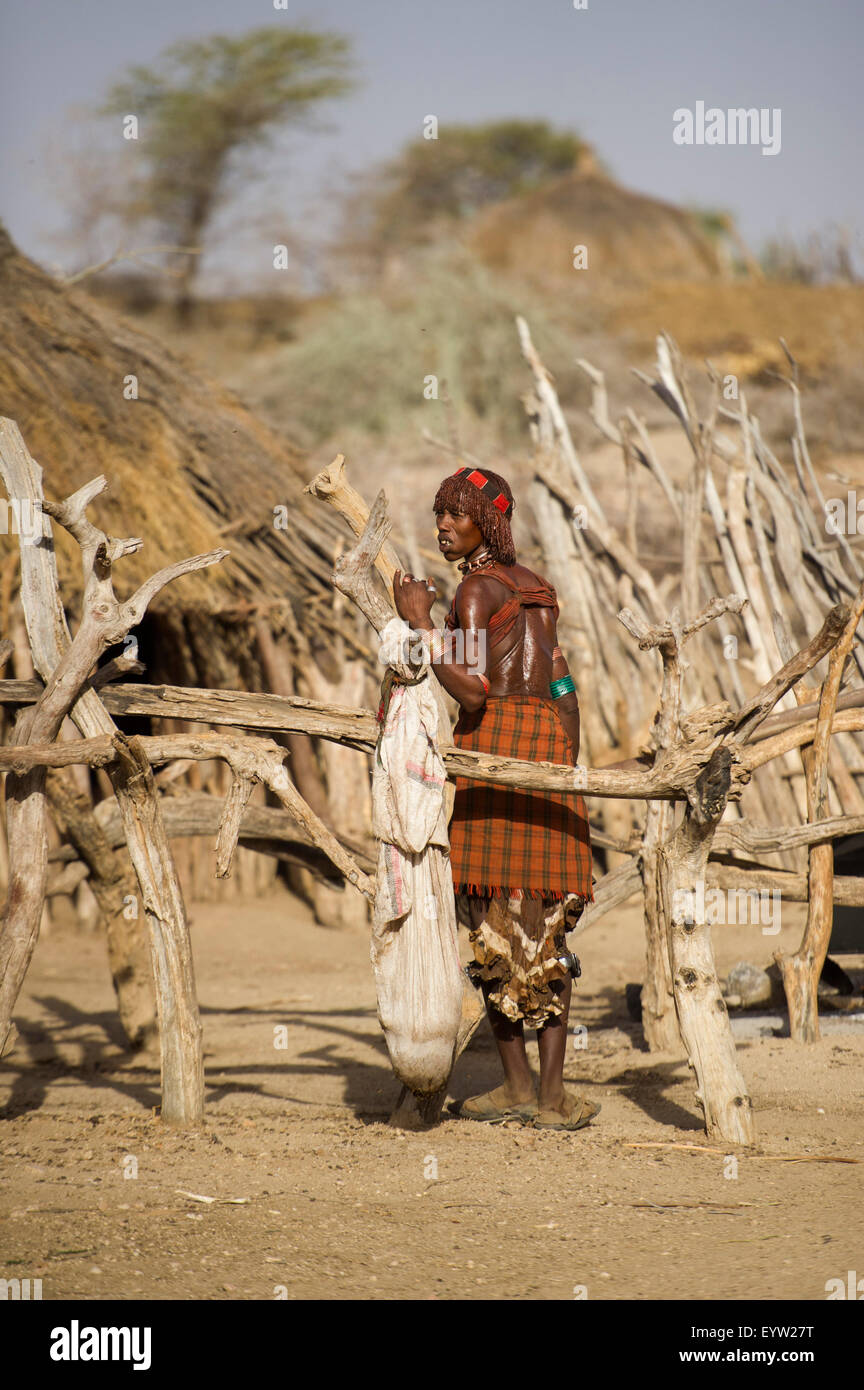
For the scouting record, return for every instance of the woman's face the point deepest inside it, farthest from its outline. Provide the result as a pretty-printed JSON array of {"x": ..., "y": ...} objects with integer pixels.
[{"x": 458, "y": 535}]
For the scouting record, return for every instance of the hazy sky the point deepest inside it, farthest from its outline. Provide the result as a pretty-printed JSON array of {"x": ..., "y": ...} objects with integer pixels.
[{"x": 614, "y": 72}]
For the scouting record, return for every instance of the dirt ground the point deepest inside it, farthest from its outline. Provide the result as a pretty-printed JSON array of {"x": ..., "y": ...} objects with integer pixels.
[{"x": 314, "y": 1196}]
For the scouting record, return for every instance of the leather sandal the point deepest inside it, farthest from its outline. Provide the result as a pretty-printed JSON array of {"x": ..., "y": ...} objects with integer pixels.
[
  {"x": 580, "y": 1112},
  {"x": 492, "y": 1109}
]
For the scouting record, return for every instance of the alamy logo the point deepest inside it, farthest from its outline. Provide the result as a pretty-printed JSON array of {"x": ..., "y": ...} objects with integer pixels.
[
  {"x": 731, "y": 907},
  {"x": 464, "y": 648},
  {"x": 21, "y": 516},
  {"x": 845, "y": 518},
  {"x": 20, "y": 1290},
  {"x": 850, "y": 1287},
  {"x": 77, "y": 1343},
  {"x": 738, "y": 126}
]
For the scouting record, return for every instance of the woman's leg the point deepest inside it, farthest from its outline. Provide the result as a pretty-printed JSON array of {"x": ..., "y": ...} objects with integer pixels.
[
  {"x": 510, "y": 1041},
  {"x": 552, "y": 1045}
]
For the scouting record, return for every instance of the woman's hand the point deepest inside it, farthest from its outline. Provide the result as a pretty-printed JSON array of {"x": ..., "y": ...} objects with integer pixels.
[{"x": 414, "y": 599}]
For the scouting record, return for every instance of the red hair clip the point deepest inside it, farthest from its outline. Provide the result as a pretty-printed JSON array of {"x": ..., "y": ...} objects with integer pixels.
[{"x": 486, "y": 485}]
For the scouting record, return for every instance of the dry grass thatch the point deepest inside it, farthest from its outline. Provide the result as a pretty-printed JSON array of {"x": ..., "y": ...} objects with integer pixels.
[
  {"x": 188, "y": 467},
  {"x": 630, "y": 237},
  {"x": 190, "y": 470}
]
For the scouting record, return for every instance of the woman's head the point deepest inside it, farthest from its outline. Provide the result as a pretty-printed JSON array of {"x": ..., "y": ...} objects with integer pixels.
[{"x": 486, "y": 498}]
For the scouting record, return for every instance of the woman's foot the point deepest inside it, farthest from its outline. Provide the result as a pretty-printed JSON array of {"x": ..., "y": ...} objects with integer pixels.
[
  {"x": 494, "y": 1107},
  {"x": 571, "y": 1112}
]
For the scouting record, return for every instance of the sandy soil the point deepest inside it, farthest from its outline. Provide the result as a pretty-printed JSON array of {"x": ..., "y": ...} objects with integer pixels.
[{"x": 336, "y": 1204}]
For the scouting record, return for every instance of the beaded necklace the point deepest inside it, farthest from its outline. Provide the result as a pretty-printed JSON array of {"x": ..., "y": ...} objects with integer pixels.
[{"x": 481, "y": 562}]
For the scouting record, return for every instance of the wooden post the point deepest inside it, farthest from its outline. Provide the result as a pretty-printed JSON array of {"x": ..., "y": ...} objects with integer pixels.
[
  {"x": 65, "y": 665},
  {"x": 179, "y": 1019},
  {"x": 702, "y": 1014},
  {"x": 681, "y": 867},
  {"x": 659, "y": 1015},
  {"x": 113, "y": 884}
]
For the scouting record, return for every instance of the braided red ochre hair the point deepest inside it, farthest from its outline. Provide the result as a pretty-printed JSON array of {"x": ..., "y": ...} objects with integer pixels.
[{"x": 489, "y": 507}]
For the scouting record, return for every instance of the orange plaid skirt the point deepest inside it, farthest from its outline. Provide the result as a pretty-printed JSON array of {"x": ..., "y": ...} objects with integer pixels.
[
  {"x": 506, "y": 841},
  {"x": 521, "y": 861}
]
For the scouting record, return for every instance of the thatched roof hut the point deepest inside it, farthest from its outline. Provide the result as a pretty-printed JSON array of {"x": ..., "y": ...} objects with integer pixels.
[
  {"x": 188, "y": 468},
  {"x": 630, "y": 237}
]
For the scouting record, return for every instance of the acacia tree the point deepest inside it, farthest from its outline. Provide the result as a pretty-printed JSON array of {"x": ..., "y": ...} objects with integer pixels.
[{"x": 204, "y": 106}]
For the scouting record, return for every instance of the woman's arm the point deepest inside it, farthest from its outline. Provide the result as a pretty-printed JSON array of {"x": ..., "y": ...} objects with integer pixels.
[
  {"x": 567, "y": 705},
  {"x": 475, "y": 604}
]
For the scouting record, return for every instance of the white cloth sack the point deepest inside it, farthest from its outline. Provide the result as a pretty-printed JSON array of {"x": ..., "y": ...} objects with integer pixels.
[{"x": 418, "y": 976}]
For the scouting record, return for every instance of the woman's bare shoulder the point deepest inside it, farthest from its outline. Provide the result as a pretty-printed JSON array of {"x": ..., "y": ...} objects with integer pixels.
[
  {"x": 527, "y": 575},
  {"x": 481, "y": 591},
  {"x": 480, "y": 582}
]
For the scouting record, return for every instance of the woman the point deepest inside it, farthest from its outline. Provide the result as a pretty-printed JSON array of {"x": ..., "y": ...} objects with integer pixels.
[{"x": 521, "y": 859}]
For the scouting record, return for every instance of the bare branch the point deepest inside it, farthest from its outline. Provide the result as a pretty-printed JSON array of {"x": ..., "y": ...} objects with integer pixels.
[
  {"x": 232, "y": 816},
  {"x": 132, "y": 611},
  {"x": 754, "y": 712}
]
